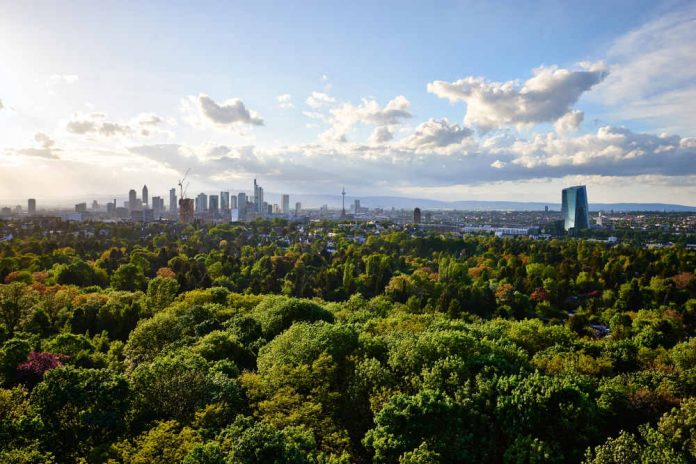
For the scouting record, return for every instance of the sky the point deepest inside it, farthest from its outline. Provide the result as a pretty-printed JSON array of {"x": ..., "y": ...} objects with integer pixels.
[{"x": 478, "y": 100}]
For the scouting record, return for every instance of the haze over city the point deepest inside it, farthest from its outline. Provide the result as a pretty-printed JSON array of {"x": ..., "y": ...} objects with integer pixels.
[{"x": 455, "y": 101}]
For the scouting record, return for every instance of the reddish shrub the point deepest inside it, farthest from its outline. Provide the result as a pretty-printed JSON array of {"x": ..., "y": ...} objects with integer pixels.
[{"x": 31, "y": 371}]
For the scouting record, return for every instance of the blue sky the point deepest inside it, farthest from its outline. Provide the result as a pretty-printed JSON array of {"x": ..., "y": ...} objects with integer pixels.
[{"x": 466, "y": 100}]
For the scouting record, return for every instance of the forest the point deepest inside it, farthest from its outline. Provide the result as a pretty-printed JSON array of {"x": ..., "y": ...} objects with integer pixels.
[{"x": 272, "y": 343}]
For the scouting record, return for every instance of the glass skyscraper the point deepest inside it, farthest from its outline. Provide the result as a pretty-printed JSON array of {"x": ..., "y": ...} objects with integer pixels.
[{"x": 574, "y": 208}]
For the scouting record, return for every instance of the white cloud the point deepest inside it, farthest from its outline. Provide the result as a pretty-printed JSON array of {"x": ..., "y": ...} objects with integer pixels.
[
  {"x": 63, "y": 79},
  {"x": 96, "y": 123},
  {"x": 653, "y": 73},
  {"x": 610, "y": 152},
  {"x": 285, "y": 101},
  {"x": 569, "y": 122},
  {"x": 319, "y": 99},
  {"x": 46, "y": 148},
  {"x": 228, "y": 114},
  {"x": 434, "y": 133},
  {"x": 545, "y": 97},
  {"x": 381, "y": 134},
  {"x": 344, "y": 117}
]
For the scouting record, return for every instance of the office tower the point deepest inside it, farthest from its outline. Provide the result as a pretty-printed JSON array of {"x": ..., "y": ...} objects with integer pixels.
[
  {"x": 81, "y": 208},
  {"x": 225, "y": 200},
  {"x": 242, "y": 205},
  {"x": 31, "y": 206},
  {"x": 172, "y": 201},
  {"x": 132, "y": 198},
  {"x": 201, "y": 203},
  {"x": 213, "y": 204},
  {"x": 417, "y": 216},
  {"x": 259, "y": 201},
  {"x": 268, "y": 208},
  {"x": 257, "y": 204},
  {"x": 157, "y": 207},
  {"x": 111, "y": 208},
  {"x": 574, "y": 208},
  {"x": 298, "y": 208},
  {"x": 146, "y": 197},
  {"x": 356, "y": 206},
  {"x": 95, "y": 204},
  {"x": 285, "y": 204},
  {"x": 186, "y": 210},
  {"x": 233, "y": 202}
]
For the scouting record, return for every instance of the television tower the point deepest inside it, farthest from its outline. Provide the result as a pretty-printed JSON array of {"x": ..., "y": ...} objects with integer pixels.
[{"x": 343, "y": 212}]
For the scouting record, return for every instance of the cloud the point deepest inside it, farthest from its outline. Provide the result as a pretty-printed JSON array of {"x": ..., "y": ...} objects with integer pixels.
[
  {"x": 435, "y": 133},
  {"x": 569, "y": 122},
  {"x": 344, "y": 117},
  {"x": 653, "y": 73},
  {"x": 545, "y": 97},
  {"x": 285, "y": 101},
  {"x": 97, "y": 124},
  {"x": 319, "y": 99},
  {"x": 1, "y": 105},
  {"x": 381, "y": 134},
  {"x": 228, "y": 113},
  {"x": 610, "y": 152},
  {"x": 44, "y": 150},
  {"x": 63, "y": 79}
]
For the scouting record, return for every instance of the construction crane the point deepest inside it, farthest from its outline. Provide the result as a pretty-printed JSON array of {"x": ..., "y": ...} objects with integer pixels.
[{"x": 182, "y": 189}]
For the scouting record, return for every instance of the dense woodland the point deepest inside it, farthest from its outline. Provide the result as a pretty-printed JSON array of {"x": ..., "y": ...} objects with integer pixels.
[{"x": 232, "y": 344}]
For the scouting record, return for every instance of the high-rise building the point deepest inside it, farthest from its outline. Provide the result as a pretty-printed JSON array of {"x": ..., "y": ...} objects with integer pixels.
[
  {"x": 298, "y": 208},
  {"x": 233, "y": 202},
  {"x": 146, "y": 197},
  {"x": 417, "y": 216},
  {"x": 213, "y": 204},
  {"x": 81, "y": 208},
  {"x": 285, "y": 204},
  {"x": 356, "y": 206},
  {"x": 172, "y": 201},
  {"x": 132, "y": 198},
  {"x": 201, "y": 203},
  {"x": 157, "y": 207},
  {"x": 225, "y": 200},
  {"x": 260, "y": 203},
  {"x": 242, "y": 205},
  {"x": 257, "y": 207},
  {"x": 574, "y": 208},
  {"x": 31, "y": 206}
]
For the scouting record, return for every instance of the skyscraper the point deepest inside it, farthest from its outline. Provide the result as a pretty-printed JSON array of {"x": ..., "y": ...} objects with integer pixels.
[
  {"x": 298, "y": 208},
  {"x": 242, "y": 205},
  {"x": 132, "y": 198},
  {"x": 233, "y": 202},
  {"x": 201, "y": 203},
  {"x": 172, "y": 201},
  {"x": 285, "y": 204},
  {"x": 146, "y": 197},
  {"x": 225, "y": 200},
  {"x": 417, "y": 216},
  {"x": 356, "y": 206},
  {"x": 574, "y": 208},
  {"x": 213, "y": 204},
  {"x": 31, "y": 206}
]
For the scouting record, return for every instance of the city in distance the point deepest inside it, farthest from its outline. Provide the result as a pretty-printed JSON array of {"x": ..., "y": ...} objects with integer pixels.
[{"x": 347, "y": 232}]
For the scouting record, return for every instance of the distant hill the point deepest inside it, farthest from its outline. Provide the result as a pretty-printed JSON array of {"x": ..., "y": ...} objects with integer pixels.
[{"x": 388, "y": 202}]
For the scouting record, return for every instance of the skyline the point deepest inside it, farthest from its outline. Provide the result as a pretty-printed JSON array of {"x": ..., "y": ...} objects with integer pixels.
[{"x": 463, "y": 101}]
